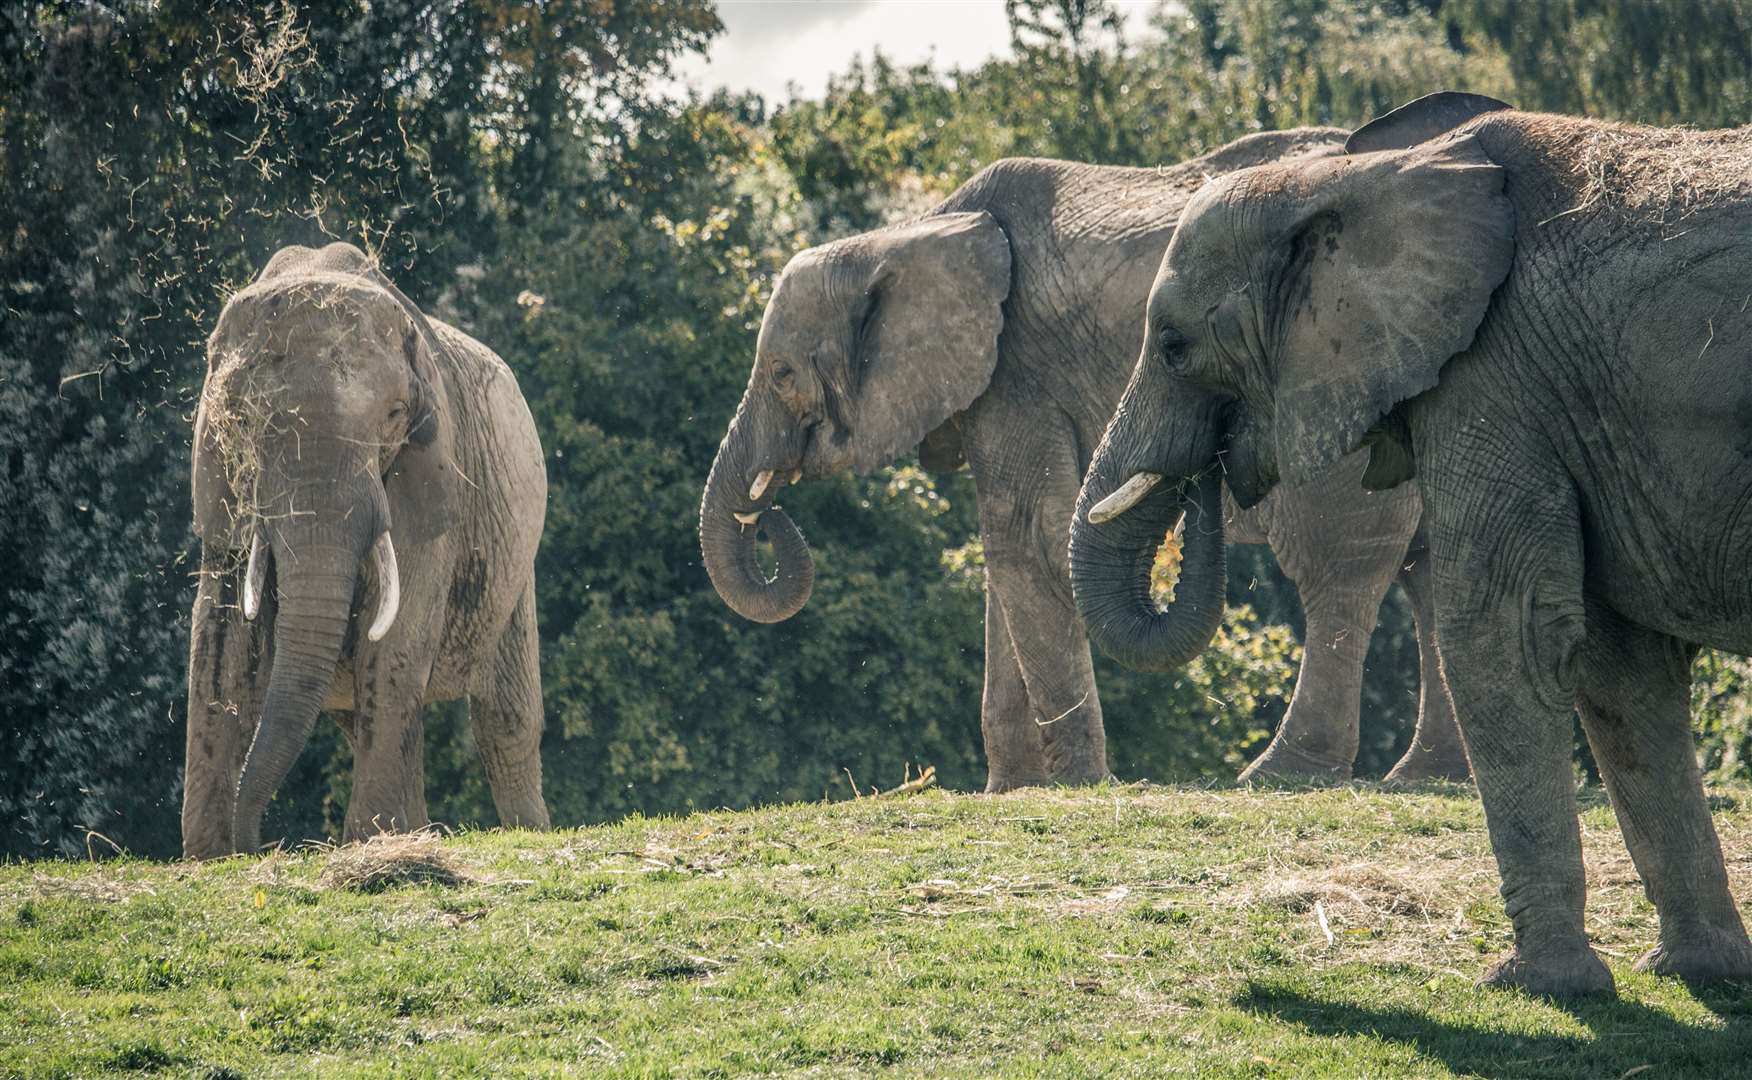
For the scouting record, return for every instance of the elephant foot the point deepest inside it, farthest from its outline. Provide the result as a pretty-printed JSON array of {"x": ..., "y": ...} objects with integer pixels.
[
  {"x": 1571, "y": 974},
  {"x": 997, "y": 785},
  {"x": 1420, "y": 764},
  {"x": 532, "y": 817},
  {"x": 1713, "y": 956},
  {"x": 1082, "y": 777},
  {"x": 1283, "y": 761}
]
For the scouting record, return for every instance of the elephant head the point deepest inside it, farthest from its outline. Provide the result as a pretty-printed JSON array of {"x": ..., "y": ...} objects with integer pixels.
[
  {"x": 323, "y": 432},
  {"x": 869, "y": 345},
  {"x": 1297, "y": 305}
]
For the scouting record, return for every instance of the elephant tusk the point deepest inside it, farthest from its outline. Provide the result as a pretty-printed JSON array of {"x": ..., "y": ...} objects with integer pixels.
[
  {"x": 749, "y": 518},
  {"x": 254, "y": 576},
  {"x": 758, "y": 488},
  {"x": 1129, "y": 495},
  {"x": 388, "y": 587},
  {"x": 796, "y": 475}
]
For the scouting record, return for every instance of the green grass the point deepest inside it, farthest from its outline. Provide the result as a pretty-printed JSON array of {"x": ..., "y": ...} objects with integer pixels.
[{"x": 1122, "y": 931}]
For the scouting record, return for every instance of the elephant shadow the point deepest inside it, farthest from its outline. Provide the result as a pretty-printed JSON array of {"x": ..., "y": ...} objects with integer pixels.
[{"x": 1628, "y": 1037}]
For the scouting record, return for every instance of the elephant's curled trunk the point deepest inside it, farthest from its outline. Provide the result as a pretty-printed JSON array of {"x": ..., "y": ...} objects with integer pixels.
[
  {"x": 735, "y": 509},
  {"x": 1110, "y": 572}
]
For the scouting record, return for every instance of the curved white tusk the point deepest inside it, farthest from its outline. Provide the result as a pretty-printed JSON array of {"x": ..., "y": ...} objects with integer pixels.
[
  {"x": 796, "y": 475},
  {"x": 254, "y": 576},
  {"x": 1129, "y": 495},
  {"x": 388, "y": 587},
  {"x": 758, "y": 488},
  {"x": 747, "y": 519}
]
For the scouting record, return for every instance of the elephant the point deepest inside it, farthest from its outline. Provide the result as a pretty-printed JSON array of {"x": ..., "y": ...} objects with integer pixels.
[
  {"x": 1543, "y": 322},
  {"x": 997, "y": 331},
  {"x": 369, "y": 491}
]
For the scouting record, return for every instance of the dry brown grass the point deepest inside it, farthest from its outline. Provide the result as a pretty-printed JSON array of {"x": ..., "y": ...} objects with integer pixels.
[
  {"x": 104, "y": 887},
  {"x": 240, "y": 414},
  {"x": 391, "y": 859},
  {"x": 1662, "y": 176}
]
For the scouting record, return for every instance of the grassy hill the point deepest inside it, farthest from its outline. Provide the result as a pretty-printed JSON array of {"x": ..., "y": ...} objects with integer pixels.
[{"x": 1124, "y": 931}]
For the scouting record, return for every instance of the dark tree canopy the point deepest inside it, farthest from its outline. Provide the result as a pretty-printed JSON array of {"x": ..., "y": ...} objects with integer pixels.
[{"x": 523, "y": 170}]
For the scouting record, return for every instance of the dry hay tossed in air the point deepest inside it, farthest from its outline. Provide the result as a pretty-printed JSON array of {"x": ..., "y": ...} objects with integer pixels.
[{"x": 392, "y": 859}]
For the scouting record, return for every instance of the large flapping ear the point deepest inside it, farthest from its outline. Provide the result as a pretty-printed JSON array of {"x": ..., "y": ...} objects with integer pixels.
[
  {"x": 423, "y": 482},
  {"x": 1421, "y": 120},
  {"x": 1393, "y": 257},
  {"x": 928, "y": 325}
]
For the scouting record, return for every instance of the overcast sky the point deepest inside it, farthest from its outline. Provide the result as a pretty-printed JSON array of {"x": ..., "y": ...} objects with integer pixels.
[{"x": 769, "y": 43}]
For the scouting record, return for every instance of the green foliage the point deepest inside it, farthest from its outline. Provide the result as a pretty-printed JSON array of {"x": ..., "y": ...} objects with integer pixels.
[
  {"x": 1721, "y": 708},
  {"x": 514, "y": 169}
]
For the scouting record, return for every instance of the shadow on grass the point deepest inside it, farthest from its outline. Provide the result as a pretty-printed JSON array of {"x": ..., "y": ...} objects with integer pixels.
[{"x": 1624, "y": 1035}]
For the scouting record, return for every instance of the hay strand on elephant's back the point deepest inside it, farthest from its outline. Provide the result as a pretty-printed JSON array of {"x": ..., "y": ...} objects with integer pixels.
[
  {"x": 393, "y": 859},
  {"x": 1661, "y": 176}
]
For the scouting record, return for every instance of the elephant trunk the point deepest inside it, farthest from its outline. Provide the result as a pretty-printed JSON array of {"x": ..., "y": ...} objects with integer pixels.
[
  {"x": 735, "y": 510},
  {"x": 317, "y": 576},
  {"x": 1110, "y": 574}
]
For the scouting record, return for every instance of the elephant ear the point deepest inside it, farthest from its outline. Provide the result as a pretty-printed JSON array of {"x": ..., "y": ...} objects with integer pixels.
[
  {"x": 423, "y": 483},
  {"x": 1421, "y": 120},
  {"x": 927, "y": 325},
  {"x": 1391, "y": 261}
]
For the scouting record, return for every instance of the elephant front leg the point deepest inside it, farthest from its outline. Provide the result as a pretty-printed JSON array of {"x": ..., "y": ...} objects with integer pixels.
[
  {"x": 1436, "y": 751},
  {"x": 1509, "y": 611},
  {"x": 389, "y": 780},
  {"x": 227, "y": 657},
  {"x": 1636, "y": 710},
  {"x": 1027, "y": 474},
  {"x": 505, "y": 711},
  {"x": 1052, "y": 654},
  {"x": 1015, "y": 755}
]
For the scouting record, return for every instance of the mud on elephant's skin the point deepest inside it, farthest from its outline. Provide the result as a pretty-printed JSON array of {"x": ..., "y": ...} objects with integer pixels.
[
  {"x": 1543, "y": 322},
  {"x": 353, "y": 462},
  {"x": 997, "y": 330}
]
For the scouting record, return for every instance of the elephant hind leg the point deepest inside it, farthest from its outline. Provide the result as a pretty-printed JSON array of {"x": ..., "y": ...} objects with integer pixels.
[
  {"x": 1436, "y": 751},
  {"x": 1341, "y": 546},
  {"x": 1635, "y": 706},
  {"x": 506, "y": 715},
  {"x": 1511, "y": 623}
]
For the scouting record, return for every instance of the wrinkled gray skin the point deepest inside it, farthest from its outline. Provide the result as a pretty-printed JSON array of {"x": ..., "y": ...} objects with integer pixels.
[
  {"x": 1545, "y": 320},
  {"x": 999, "y": 329},
  {"x": 372, "y": 420}
]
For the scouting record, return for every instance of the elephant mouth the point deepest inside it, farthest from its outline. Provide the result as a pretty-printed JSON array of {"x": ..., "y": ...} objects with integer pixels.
[
  {"x": 261, "y": 556},
  {"x": 758, "y": 490}
]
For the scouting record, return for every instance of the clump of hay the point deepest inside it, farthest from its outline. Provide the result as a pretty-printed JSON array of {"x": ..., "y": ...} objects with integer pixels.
[
  {"x": 1361, "y": 885},
  {"x": 392, "y": 859},
  {"x": 1661, "y": 175},
  {"x": 93, "y": 888},
  {"x": 240, "y": 414}
]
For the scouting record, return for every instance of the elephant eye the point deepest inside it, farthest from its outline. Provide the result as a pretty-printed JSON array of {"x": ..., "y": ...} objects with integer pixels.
[
  {"x": 1173, "y": 349},
  {"x": 782, "y": 373}
]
